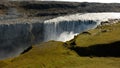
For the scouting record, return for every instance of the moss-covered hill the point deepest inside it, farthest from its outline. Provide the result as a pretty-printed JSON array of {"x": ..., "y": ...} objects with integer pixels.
[{"x": 97, "y": 48}]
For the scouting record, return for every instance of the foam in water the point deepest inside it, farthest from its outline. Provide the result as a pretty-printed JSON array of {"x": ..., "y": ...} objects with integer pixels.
[
  {"x": 65, "y": 36},
  {"x": 65, "y": 30}
]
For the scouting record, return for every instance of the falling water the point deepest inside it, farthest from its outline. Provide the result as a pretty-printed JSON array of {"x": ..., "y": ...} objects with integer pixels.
[
  {"x": 16, "y": 37},
  {"x": 64, "y": 28}
]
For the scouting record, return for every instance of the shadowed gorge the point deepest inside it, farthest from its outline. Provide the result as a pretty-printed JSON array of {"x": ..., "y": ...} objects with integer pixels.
[
  {"x": 49, "y": 34},
  {"x": 17, "y": 35},
  {"x": 90, "y": 48},
  {"x": 24, "y": 35},
  {"x": 15, "y": 38}
]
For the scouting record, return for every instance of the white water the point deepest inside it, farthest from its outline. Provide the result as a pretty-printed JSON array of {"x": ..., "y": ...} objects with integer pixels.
[
  {"x": 65, "y": 36},
  {"x": 16, "y": 36},
  {"x": 64, "y": 28}
]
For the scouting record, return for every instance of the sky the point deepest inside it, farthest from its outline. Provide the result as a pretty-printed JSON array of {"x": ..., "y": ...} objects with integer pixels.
[{"x": 102, "y": 1}]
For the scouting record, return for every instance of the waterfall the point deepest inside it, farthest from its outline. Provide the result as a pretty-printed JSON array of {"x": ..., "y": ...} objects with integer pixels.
[
  {"x": 65, "y": 30},
  {"x": 18, "y": 34}
]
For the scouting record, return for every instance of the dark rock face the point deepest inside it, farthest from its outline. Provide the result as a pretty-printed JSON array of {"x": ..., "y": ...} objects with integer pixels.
[
  {"x": 83, "y": 6},
  {"x": 18, "y": 38},
  {"x": 38, "y": 32},
  {"x": 47, "y": 8},
  {"x": 15, "y": 38},
  {"x": 63, "y": 8},
  {"x": 2, "y": 6}
]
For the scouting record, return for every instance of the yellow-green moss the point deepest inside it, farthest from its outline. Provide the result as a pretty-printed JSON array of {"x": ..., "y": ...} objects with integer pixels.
[
  {"x": 102, "y": 35},
  {"x": 54, "y": 54}
]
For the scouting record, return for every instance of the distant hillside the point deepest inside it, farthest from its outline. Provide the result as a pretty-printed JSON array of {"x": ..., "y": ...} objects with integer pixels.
[{"x": 38, "y": 9}]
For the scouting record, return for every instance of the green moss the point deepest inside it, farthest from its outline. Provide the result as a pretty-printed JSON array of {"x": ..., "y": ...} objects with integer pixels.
[
  {"x": 101, "y": 35},
  {"x": 2, "y": 64},
  {"x": 55, "y": 54}
]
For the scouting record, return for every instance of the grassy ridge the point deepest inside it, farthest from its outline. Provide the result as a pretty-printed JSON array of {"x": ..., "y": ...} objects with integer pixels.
[
  {"x": 101, "y": 35},
  {"x": 54, "y": 54}
]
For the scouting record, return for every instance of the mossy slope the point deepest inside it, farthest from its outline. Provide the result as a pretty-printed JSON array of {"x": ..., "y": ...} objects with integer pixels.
[{"x": 55, "y": 54}]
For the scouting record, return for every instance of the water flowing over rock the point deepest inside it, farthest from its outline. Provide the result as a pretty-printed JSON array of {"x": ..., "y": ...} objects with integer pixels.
[
  {"x": 16, "y": 36},
  {"x": 65, "y": 30}
]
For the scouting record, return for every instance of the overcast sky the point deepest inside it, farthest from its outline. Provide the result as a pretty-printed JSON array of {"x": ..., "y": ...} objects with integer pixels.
[{"x": 102, "y": 1}]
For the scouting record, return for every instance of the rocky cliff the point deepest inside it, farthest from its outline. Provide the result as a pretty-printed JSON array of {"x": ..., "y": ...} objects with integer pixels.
[
  {"x": 15, "y": 38},
  {"x": 25, "y": 23}
]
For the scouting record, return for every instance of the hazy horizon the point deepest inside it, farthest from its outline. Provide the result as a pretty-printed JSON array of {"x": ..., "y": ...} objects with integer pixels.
[{"x": 99, "y": 1}]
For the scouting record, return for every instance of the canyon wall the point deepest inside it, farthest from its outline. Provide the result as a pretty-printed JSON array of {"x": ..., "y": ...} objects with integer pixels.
[
  {"x": 15, "y": 38},
  {"x": 16, "y": 35}
]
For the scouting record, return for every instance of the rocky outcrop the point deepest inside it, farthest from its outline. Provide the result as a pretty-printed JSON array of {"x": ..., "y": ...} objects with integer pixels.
[
  {"x": 42, "y": 8},
  {"x": 17, "y": 37},
  {"x": 110, "y": 21}
]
